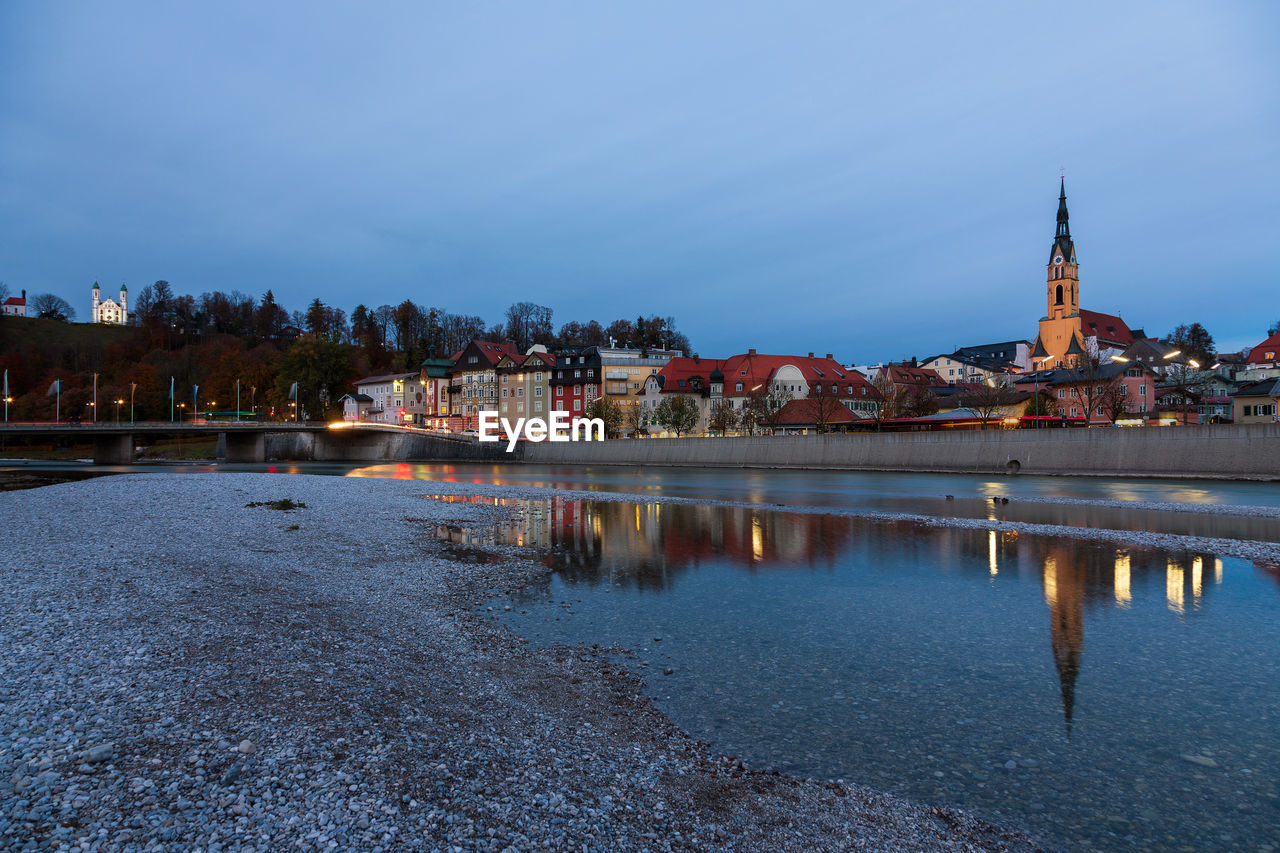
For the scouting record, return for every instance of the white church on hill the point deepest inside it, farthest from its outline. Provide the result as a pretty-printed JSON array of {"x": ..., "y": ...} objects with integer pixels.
[{"x": 108, "y": 310}]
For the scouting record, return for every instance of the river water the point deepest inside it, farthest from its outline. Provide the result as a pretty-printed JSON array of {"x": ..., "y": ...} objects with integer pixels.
[{"x": 1106, "y": 697}]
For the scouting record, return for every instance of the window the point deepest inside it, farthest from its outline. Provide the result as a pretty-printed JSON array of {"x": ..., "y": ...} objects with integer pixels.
[
  {"x": 537, "y": 377},
  {"x": 472, "y": 359},
  {"x": 559, "y": 390},
  {"x": 577, "y": 374},
  {"x": 1142, "y": 392},
  {"x": 537, "y": 406},
  {"x": 577, "y": 405},
  {"x": 504, "y": 393},
  {"x": 1062, "y": 394},
  {"x": 739, "y": 386},
  {"x": 1248, "y": 411},
  {"x": 1074, "y": 413},
  {"x": 591, "y": 373},
  {"x": 519, "y": 392},
  {"x": 537, "y": 392},
  {"x": 520, "y": 407},
  {"x": 1099, "y": 410}
]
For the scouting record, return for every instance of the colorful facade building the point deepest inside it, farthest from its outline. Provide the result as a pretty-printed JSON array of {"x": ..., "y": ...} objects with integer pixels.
[
  {"x": 393, "y": 398},
  {"x": 110, "y": 311},
  {"x": 577, "y": 380},
  {"x": 473, "y": 382},
  {"x": 524, "y": 384}
]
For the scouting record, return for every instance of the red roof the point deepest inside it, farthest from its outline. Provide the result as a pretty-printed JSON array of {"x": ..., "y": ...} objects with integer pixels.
[
  {"x": 1258, "y": 355},
  {"x": 752, "y": 369},
  {"x": 491, "y": 351},
  {"x": 806, "y": 412},
  {"x": 905, "y": 374},
  {"x": 677, "y": 372},
  {"x": 1105, "y": 327},
  {"x": 15, "y": 300}
]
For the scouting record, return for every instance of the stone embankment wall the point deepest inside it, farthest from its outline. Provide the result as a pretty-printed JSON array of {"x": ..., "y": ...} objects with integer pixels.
[
  {"x": 1245, "y": 452},
  {"x": 377, "y": 446}
]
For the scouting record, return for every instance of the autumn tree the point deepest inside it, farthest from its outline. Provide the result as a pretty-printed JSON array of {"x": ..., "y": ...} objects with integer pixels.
[{"x": 610, "y": 412}]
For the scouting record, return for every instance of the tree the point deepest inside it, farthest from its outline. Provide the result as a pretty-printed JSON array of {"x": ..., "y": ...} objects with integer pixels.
[
  {"x": 1195, "y": 342},
  {"x": 608, "y": 411},
  {"x": 4, "y": 291},
  {"x": 528, "y": 324},
  {"x": 677, "y": 413},
  {"x": 761, "y": 407},
  {"x": 989, "y": 400},
  {"x": 893, "y": 398},
  {"x": 1094, "y": 381},
  {"x": 724, "y": 417},
  {"x": 1043, "y": 405},
  {"x": 1115, "y": 401},
  {"x": 1273, "y": 328},
  {"x": 825, "y": 405},
  {"x": 920, "y": 401},
  {"x": 320, "y": 367},
  {"x": 52, "y": 307}
]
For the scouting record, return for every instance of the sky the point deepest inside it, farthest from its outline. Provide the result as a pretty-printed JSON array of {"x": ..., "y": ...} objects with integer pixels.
[{"x": 872, "y": 180}]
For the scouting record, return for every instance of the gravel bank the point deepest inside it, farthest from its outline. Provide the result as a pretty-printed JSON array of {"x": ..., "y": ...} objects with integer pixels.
[{"x": 184, "y": 671}]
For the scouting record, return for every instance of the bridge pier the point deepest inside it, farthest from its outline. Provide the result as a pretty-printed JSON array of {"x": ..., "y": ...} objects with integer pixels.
[
  {"x": 113, "y": 449},
  {"x": 245, "y": 446}
]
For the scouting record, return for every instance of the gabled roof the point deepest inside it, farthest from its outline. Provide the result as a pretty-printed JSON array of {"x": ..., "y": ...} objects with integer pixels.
[
  {"x": 487, "y": 352},
  {"x": 358, "y": 398},
  {"x": 1105, "y": 327},
  {"x": 1261, "y": 388},
  {"x": 387, "y": 377},
  {"x": 1258, "y": 355},
  {"x": 1074, "y": 348},
  {"x": 1075, "y": 375},
  {"x": 807, "y": 412},
  {"x": 752, "y": 369},
  {"x": 15, "y": 300},
  {"x": 681, "y": 374},
  {"x": 905, "y": 374}
]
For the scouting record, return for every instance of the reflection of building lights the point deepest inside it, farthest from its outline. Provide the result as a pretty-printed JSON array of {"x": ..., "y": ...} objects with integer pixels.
[
  {"x": 1197, "y": 571},
  {"x": 1173, "y": 591},
  {"x": 1051, "y": 581},
  {"x": 1217, "y": 570},
  {"x": 757, "y": 538},
  {"x": 1123, "y": 596},
  {"x": 991, "y": 553}
]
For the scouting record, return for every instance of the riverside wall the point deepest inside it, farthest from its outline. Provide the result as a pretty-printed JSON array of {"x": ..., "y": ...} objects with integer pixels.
[
  {"x": 376, "y": 446},
  {"x": 1249, "y": 451}
]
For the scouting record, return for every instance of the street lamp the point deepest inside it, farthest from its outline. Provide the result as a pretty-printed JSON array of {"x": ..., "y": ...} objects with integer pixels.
[{"x": 119, "y": 403}]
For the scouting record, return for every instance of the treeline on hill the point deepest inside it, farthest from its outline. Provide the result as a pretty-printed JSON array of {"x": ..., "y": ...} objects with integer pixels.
[{"x": 213, "y": 340}]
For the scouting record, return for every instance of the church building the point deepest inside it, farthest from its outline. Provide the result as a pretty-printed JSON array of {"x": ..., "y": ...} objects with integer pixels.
[
  {"x": 108, "y": 310},
  {"x": 1069, "y": 334}
]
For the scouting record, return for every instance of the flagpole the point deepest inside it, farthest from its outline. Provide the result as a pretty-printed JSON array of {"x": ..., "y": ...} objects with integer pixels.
[
  {"x": 237, "y": 401},
  {"x": 95, "y": 398},
  {"x": 133, "y": 386},
  {"x": 170, "y": 399}
]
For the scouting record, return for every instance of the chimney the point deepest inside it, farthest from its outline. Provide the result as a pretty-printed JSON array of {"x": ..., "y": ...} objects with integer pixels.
[
  {"x": 24, "y": 295},
  {"x": 810, "y": 355},
  {"x": 914, "y": 363},
  {"x": 829, "y": 358},
  {"x": 751, "y": 352}
]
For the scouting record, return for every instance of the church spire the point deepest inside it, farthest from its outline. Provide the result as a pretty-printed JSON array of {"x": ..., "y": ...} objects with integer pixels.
[{"x": 1063, "y": 229}]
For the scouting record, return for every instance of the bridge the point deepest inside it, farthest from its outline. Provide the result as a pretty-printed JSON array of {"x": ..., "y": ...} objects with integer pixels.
[{"x": 113, "y": 443}]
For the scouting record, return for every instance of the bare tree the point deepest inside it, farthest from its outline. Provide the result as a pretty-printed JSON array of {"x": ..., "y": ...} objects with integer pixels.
[
  {"x": 51, "y": 307},
  {"x": 825, "y": 405},
  {"x": 608, "y": 411},
  {"x": 724, "y": 417},
  {"x": 990, "y": 400}
]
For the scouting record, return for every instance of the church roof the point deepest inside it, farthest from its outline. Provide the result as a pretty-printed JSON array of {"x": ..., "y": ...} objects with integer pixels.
[
  {"x": 1075, "y": 349},
  {"x": 1039, "y": 351},
  {"x": 1105, "y": 327}
]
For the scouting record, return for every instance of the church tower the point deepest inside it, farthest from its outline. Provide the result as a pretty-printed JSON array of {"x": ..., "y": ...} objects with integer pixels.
[
  {"x": 1059, "y": 343},
  {"x": 1064, "y": 275}
]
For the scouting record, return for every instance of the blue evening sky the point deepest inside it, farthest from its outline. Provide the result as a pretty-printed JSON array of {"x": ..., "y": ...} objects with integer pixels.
[{"x": 874, "y": 180}]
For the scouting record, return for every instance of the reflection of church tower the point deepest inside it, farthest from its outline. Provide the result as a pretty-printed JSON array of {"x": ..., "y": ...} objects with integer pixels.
[{"x": 1064, "y": 582}]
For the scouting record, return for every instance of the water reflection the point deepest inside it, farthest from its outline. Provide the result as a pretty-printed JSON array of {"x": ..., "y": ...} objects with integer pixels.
[
  {"x": 648, "y": 546},
  {"x": 1121, "y": 684}
]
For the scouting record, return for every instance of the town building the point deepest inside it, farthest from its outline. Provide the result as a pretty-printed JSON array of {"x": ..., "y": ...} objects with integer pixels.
[
  {"x": 110, "y": 311},
  {"x": 625, "y": 371},
  {"x": 1068, "y": 334},
  {"x": 962, "y": 367},
  {"x": 393, "y": 398},
  {"x": 524, "y": 384},
  {"x": 473, "y": 385},
  {"x": 1257, "y": 402},
  {"x": 433, "y": 373},
  {"x": 1106, "y": 393},
  {"x": 692, "y": 377},
  {"x": 576, "y": 382},
  {"x": 15, "y": 306}
]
